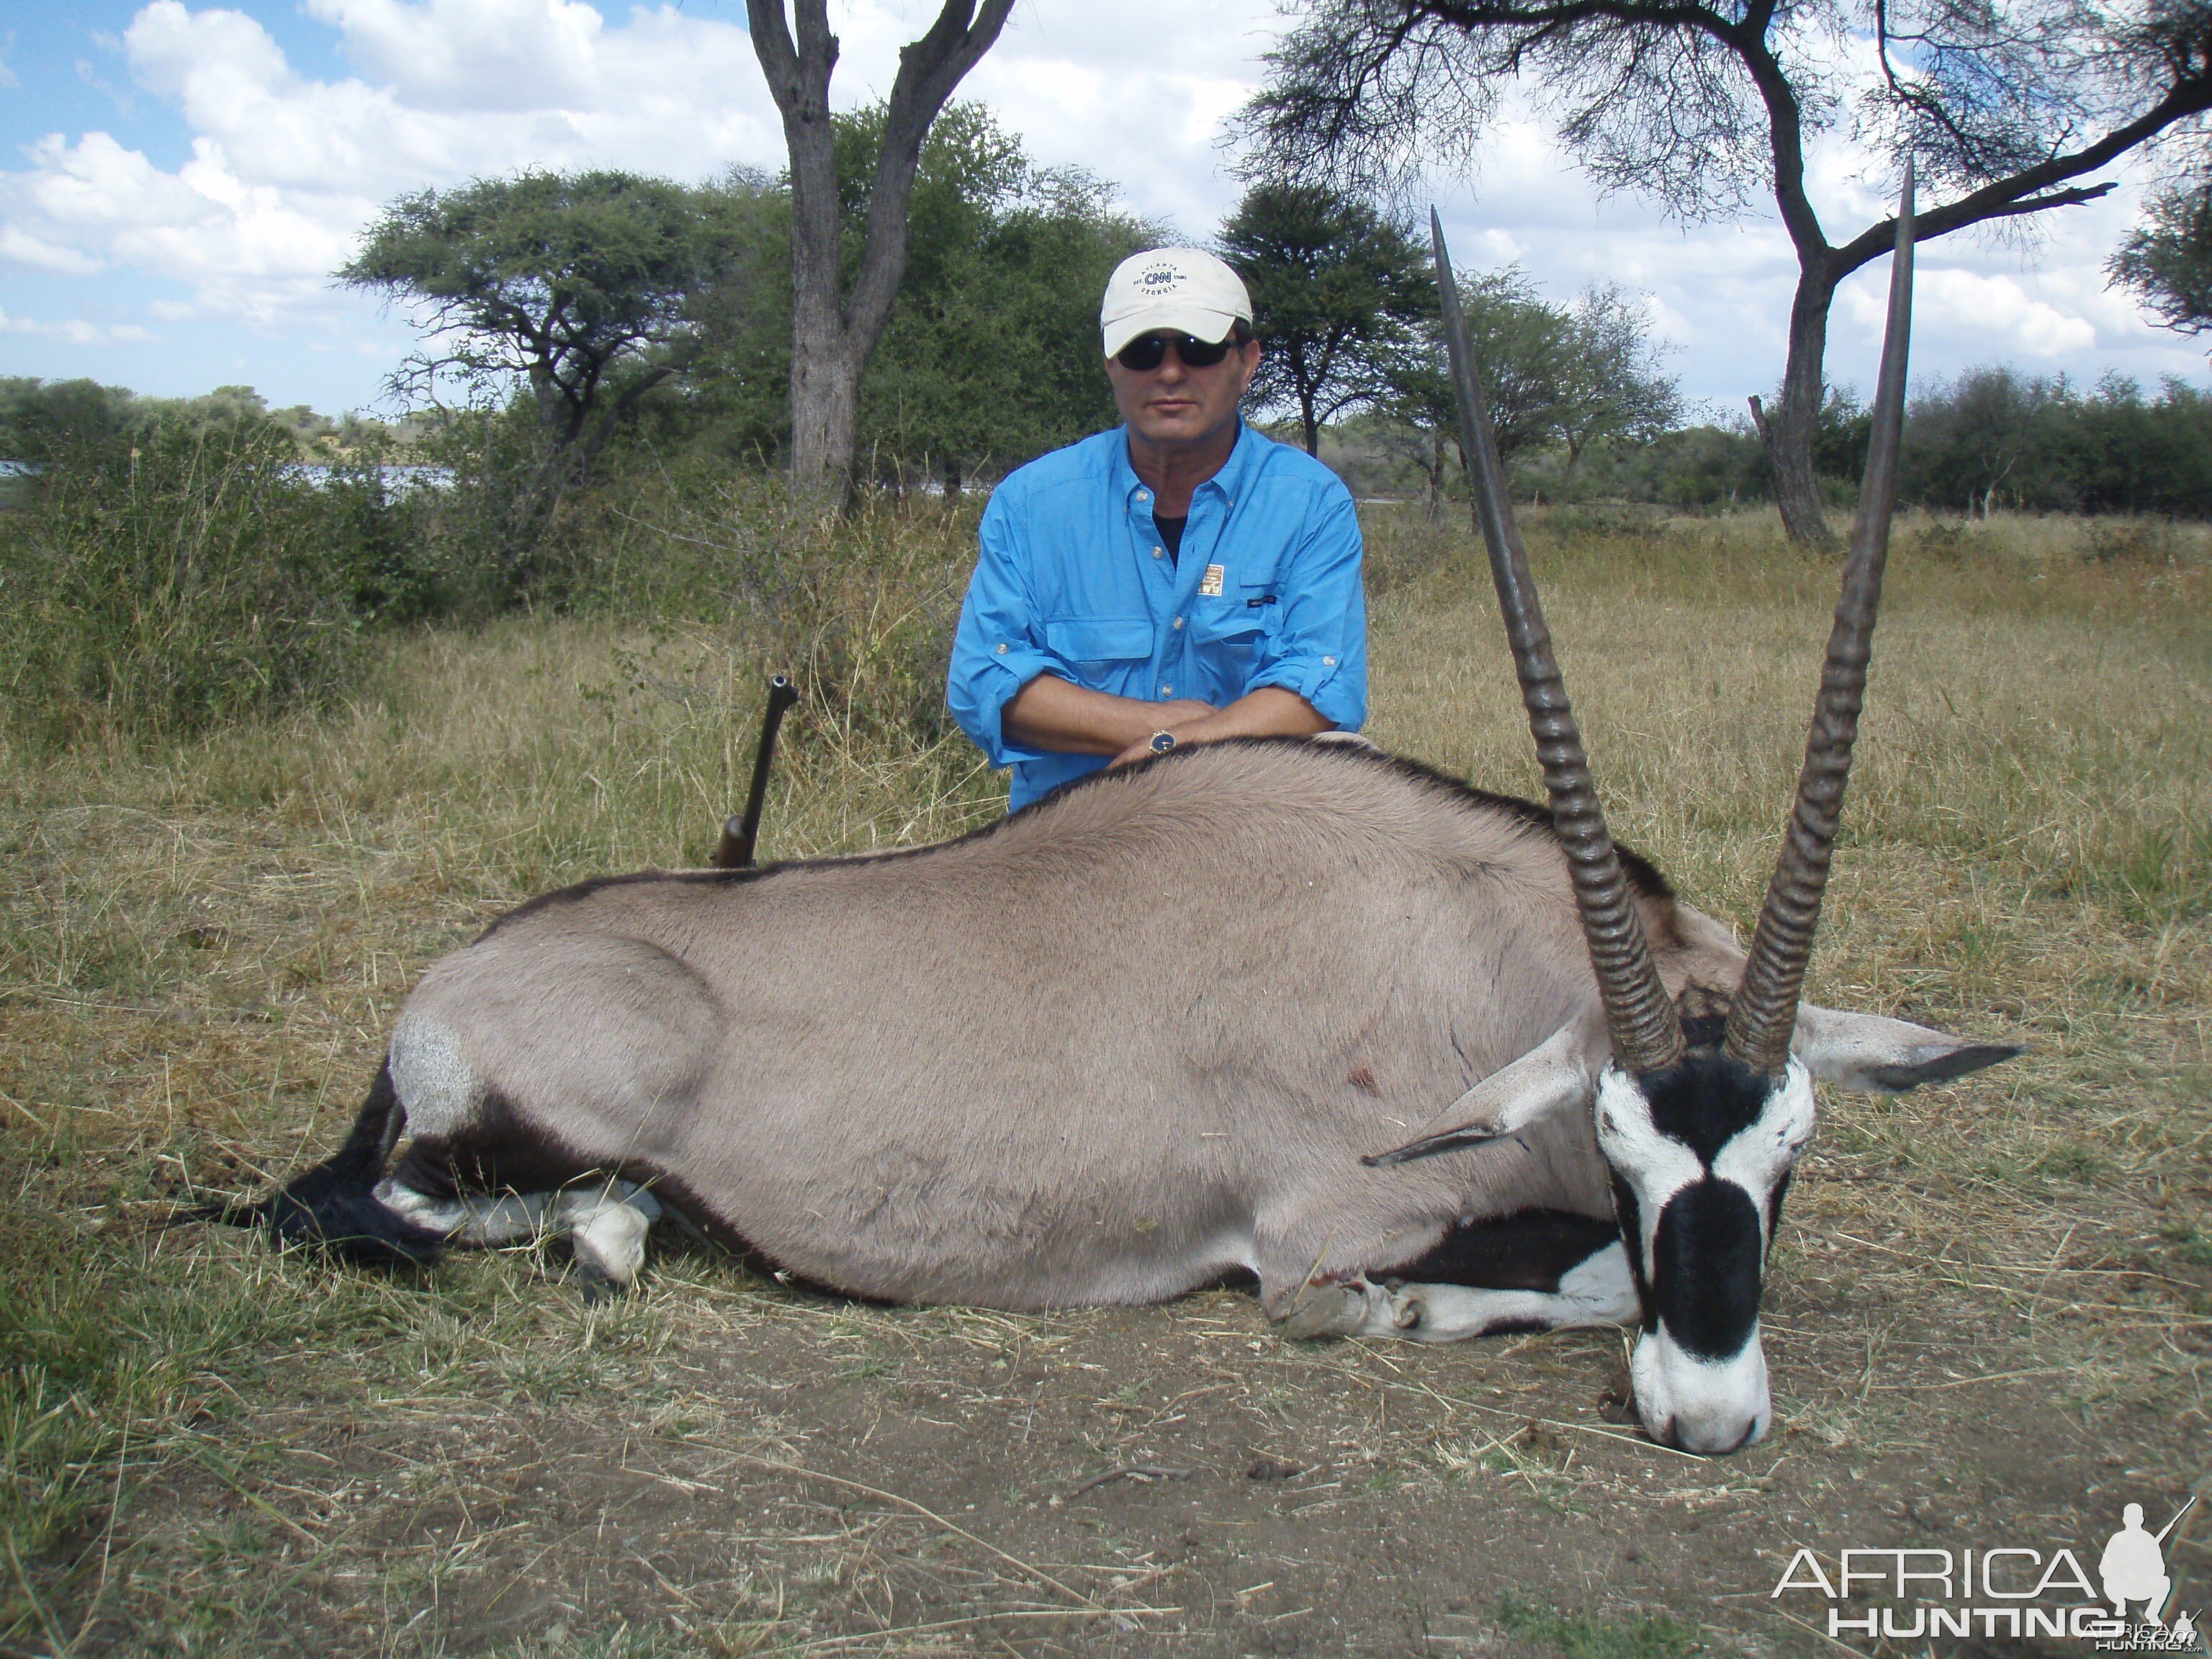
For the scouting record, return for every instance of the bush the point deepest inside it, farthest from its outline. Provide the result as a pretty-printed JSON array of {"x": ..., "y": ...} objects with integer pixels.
[{"x": 166, "y": 577}]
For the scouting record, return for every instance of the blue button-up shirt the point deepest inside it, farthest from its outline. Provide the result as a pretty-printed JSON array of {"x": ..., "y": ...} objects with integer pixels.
[{"x": 1075, "y": 581}]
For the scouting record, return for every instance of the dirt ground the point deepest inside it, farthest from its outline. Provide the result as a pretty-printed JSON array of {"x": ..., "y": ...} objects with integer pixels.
[{"x": 722, "y": 1466}]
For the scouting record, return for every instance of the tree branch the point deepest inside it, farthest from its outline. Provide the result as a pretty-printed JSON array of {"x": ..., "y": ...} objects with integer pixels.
[
  {"x": 611, "y": 416},
  {"x": 929, "y": 69},
  {"x": 2023, "y": 192}
]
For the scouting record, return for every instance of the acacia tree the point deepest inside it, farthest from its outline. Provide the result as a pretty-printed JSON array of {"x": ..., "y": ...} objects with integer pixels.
[
  {"x": 2168, "y": 260},
  {"x": 1007, "y": 251},
  {"x": 1336, "y": 290},
  {"x": 1571, "y": 376},
  {"x": 1966, "y": 439},
  {"x": 1706, "y": 104},
  {"x": 834, "y": 329},
  {"x": 577, "y": 284},
  {"x": 1611, "y": 384},
  {"x": 999, "y": 250}
]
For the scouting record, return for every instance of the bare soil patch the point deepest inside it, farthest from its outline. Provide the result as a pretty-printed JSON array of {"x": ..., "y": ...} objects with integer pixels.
[{"x": 724, "y": 1466}]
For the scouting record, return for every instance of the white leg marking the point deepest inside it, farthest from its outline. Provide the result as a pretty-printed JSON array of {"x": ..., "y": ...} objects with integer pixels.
[
  {"x": 607, "y": 1225},
  {"x": 612, "y": 1243},
  {"x": 473, "y": 1218},
  {"x": 1596, "y": 1292},
  {"x": 438, "y": 1214},
  {"x": 487, "y": 1222}
]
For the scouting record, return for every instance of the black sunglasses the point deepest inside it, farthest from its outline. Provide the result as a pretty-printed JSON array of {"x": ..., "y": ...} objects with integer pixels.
[{"x": 1148, "y": 351}]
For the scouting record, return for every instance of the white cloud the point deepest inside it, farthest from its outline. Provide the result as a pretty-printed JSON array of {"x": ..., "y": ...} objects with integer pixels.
[
  {"x": 75, "y": 330},
  {"x": 1997, "y": 311},
  {"x": 285, "y": 171},
  {"x": 18, "y": 246},
  {"x": 474, "y": 54}
]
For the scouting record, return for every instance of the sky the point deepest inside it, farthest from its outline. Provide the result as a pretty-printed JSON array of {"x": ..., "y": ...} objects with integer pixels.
[{"x": 177, "y": 181}]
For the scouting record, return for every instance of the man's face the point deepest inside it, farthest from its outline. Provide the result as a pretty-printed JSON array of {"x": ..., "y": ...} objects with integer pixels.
[{"x": 1176, "y": 403}]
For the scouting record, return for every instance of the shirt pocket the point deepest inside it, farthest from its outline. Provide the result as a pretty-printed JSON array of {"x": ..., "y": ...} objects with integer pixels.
[
  {"x": 1239, "y": 615},
  {"x": 1100, "y": 645}
]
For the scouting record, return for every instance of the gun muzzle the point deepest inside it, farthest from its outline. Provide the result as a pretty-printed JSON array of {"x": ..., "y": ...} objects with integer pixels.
[{"x": 735, "y": 849}]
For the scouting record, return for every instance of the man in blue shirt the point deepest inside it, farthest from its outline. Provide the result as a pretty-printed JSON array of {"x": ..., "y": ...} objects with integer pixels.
[{"x": 1178, "y": 579}]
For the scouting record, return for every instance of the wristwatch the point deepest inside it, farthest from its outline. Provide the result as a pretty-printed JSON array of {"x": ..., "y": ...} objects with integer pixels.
[{"x": 1162, "y": 741}]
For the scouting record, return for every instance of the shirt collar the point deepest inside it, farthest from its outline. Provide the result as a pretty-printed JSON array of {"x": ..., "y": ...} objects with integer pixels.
[{"x": 1229, "y": 480}]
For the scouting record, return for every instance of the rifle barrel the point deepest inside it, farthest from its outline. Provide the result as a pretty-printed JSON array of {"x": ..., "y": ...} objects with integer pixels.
[{"x": 735, "y": 850}]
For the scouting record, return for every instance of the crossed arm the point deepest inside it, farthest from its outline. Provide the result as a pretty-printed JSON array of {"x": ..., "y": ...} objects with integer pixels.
[{"x": 1048, "y": 713}]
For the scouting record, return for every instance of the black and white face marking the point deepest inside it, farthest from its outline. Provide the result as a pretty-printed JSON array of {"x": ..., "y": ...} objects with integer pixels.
[{"x": 1701, "y": 1154}]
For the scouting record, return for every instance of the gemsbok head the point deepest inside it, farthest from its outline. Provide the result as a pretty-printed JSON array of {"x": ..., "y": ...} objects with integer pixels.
[{"x": 1699, "y": 1119}]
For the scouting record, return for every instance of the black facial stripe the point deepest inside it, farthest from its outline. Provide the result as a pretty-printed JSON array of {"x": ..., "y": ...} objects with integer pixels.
[
  {"x": 1705, "y": 1100},
  {"x": 1774, "y": 1208},
  {"x": 1629, "y": 1215},
  {"x": 1706, "y": 1268}
]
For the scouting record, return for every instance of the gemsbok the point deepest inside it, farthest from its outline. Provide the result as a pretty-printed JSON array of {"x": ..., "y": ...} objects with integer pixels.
[{"x": 1160, "y": 1027}]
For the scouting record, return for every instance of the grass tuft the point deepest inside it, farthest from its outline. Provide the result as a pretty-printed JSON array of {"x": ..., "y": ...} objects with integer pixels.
[{"x": 1582, "y": 1636}]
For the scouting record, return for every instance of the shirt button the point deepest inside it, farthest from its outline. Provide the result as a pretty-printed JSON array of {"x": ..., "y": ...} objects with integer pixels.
[
  {"x": 1159, "y": 552},
  {"x": 1143, "y": 494},
  {"x": 1326, "y": 662},
  {"x": 1002, "y": 650},
  {"x": 1177, "y": 623},
  {"x": 1167, "y": 690}
]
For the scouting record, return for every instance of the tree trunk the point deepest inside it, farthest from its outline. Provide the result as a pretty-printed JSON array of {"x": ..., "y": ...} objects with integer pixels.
[
  {"x": 1788, "y": 430},
  {"x": 825, "y": 411},
  {"x": 1306, "y": 424},
  {"x": 833, "y": 334}
]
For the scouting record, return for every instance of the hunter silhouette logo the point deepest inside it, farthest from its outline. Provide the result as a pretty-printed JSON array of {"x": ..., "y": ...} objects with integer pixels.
[
  {"x": 2003, "y": 1589},
  {"x": 2133, "y": 1566}
]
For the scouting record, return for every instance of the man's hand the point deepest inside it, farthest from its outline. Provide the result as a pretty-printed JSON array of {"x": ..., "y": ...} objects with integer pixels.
[
  {"x": 1270, "y": 712},
  {"x": 1071, "y": 720}
]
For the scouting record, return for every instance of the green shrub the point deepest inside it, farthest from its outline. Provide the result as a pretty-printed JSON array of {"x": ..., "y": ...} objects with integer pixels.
[{"x": 165, "y": 578}]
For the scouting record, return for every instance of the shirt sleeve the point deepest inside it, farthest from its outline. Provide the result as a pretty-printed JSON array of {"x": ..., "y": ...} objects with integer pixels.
[
  {"x": 999, "y": 646},
  {"x": 1319, "y": 649}
]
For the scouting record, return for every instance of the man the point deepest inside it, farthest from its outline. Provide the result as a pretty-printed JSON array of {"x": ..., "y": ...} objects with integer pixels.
[{"x": 1178, "y": 579}]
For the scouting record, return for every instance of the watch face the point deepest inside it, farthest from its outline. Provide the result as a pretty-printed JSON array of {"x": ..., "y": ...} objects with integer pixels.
[{"x": 1162, "y": 741}]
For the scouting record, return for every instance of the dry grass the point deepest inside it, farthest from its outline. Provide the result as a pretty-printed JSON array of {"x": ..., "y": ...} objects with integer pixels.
[{"x": 204, "y": 1448}]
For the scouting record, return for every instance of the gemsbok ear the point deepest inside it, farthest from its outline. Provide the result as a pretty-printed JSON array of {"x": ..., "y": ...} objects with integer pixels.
[
  {"x": 1885, "y": 1056},
  {"x": 1558, "y": 1073}
]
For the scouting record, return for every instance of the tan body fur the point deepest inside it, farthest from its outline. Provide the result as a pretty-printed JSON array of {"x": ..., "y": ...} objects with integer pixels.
[{"x": 1101, "y": 1053}]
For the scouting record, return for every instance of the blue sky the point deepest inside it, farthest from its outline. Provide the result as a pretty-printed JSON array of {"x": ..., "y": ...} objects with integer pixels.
[{"x": 177, "y": 179}]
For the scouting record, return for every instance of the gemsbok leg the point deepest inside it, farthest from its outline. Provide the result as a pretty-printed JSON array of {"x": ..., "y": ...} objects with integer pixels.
[{"x": 1539, "y": 1270}]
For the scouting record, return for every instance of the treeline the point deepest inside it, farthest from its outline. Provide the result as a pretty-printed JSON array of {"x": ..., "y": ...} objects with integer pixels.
[
  {"x": 1993, "y": 440},
  {"x": 603, "y": 394},
  {"x": 603, "y": 382},
  {"x": 41, "y": 419}
]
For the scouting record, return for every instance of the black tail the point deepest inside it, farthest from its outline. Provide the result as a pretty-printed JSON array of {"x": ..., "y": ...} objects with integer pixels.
[{"x": 334, "y": 1204}]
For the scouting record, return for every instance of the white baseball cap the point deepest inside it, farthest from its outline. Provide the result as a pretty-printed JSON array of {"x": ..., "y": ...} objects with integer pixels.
[{"x": 1183, "y": 288}]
